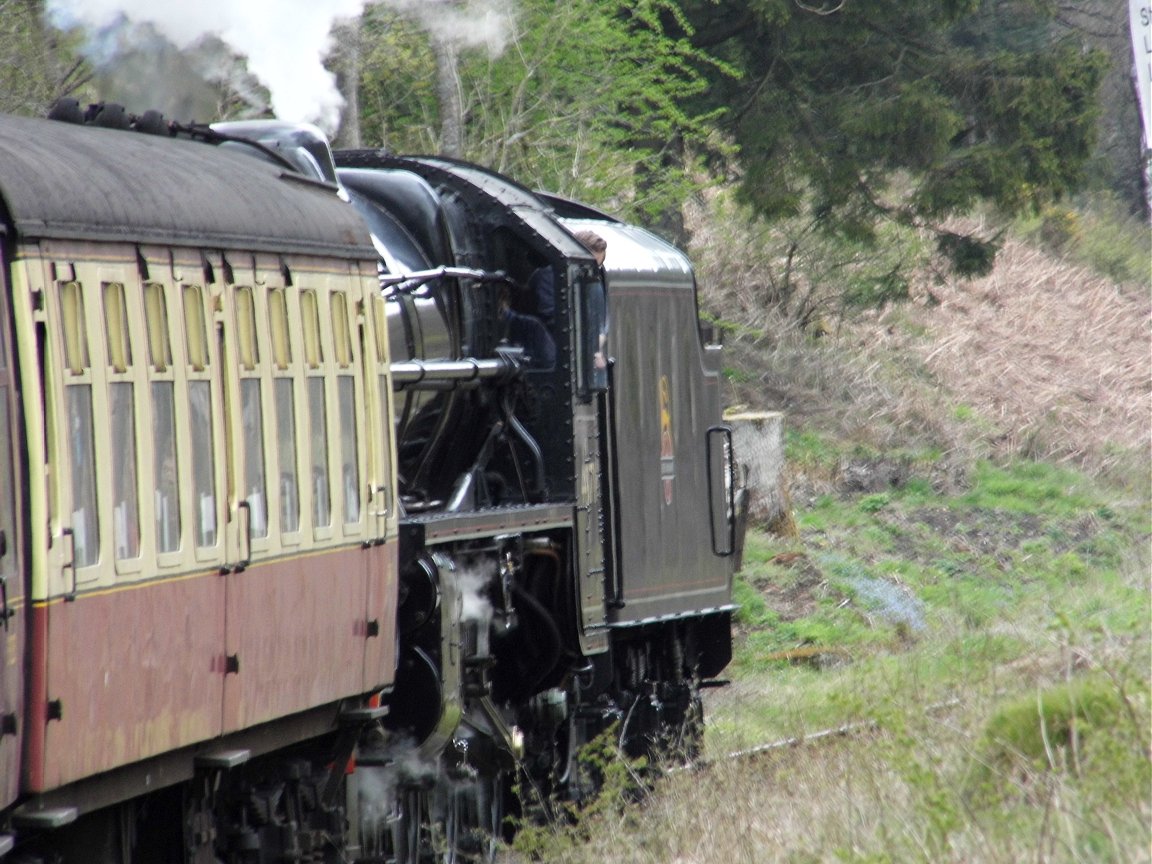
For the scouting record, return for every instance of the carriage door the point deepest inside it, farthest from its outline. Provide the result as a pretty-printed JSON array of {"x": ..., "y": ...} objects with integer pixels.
[{"x": 11, "y": 574}]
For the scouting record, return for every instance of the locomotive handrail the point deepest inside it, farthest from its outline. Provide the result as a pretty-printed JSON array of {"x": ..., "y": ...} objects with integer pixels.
[
  {"x": 411, "y": 281},
  {"x": 730, "y": 488},
  {"x": 616, "y": 600},
  {"x": 7, "y": 611},
  {"x": 408, "y": 372}
]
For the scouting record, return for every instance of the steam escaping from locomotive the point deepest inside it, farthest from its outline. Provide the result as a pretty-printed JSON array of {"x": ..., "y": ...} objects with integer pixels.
[
  {"x": 384, "y": 773},
  {"x": 473, "y": 586},
  {"x": 286, "y": 42},
  {"x": 135, "y": 65}
]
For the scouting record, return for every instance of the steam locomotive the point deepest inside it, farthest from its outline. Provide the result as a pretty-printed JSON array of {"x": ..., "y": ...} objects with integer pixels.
[{"x": 307, "y": 552}]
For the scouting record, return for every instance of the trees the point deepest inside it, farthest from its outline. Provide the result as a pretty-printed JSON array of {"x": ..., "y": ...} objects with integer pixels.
[
  {"x": 38, "y": 65},
  {"x": 958, "y": 100},
  {"x": 587, "y": 98},
  {"x": 844, "y": 114},
  {"x": 833, "y": 117}
]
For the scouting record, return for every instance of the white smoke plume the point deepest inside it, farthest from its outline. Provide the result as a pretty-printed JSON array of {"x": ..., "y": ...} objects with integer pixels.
[{"x": 286, "y": 41}]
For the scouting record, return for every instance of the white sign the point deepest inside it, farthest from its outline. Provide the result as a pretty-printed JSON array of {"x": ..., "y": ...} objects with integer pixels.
[{"x": 1140, "y": 20}]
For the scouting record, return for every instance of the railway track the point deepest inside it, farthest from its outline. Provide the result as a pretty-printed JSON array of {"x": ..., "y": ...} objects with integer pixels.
[{"x": 831, "y": 733}]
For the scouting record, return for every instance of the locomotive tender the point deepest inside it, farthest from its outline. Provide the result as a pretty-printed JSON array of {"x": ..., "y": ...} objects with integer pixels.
[{"x": 301, "y": 557}]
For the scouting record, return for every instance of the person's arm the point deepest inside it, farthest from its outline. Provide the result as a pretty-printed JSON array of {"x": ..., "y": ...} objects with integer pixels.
[{"x": 543, "y": 285}]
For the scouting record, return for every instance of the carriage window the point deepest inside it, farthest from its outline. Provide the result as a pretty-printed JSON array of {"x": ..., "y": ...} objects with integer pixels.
[
  {"x": 81, "y": 447},
  {"x": 167, "y": 492},
  {"x": 313, "y": 353},
  {"x": 341, "y": 340},
  {"x": 85, "y": 527},
  {"x": 278, "y": 321},
  {"x": 75, "y": 334},
  {"x": 125, "y": 503},
  {"x": 350, "y": 475},
  {"x": 246, "y": 328},
  {"x": 116, "y": 327},
  {"x": 286, "y": 443},
  {"x": 121, "y": 395},
  {"x": 159, "y": 342},
  {"x": 252, "y": 419},
  {"x": 321, "y": 489},
  {"x": 285, "y": 412},
  {"x": 195, "y": 332},
  {"x": 203, "y": 481},
  {"x": 251, "y": 414},
  {"x": 200, "y": 418}
]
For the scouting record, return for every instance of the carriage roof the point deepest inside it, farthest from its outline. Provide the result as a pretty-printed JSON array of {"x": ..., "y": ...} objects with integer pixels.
[{"x": 60, "y": 180}]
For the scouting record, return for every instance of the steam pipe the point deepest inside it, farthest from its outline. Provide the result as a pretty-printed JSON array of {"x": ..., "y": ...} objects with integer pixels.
[
  {"x": 526, "y": 437},
  {"x": 433, "y": 373},
  {"x": 411, "y": 281}
]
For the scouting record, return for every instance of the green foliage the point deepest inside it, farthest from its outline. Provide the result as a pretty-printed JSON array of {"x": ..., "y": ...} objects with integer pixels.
[
  {"x": 1097, "y": 232},
  {"x": 738, "y": 375},
  {"x": 38, "y": 64},
  {"x": 587, "y": 100},
  {"x": 752, "y": 611},
  {"x": 1016, "y": 720},
  {"x": 1060, "y": 728},
  {"x": 809, "y": 450},
  {"x": 875, "y": 503},
  {"x": 888, "y": 567},
  {"x": 397, "y": 92},
  {"x": 974, "y": 101},
  {"x": 1030, "y": 487},
  {"x": 568, "y": 824}
]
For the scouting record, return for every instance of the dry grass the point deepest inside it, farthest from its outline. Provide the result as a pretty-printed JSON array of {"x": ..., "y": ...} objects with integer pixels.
[
  {"x": 1042, "y": 359},
  {"x": 1057, "y": 358},
  {"x": 915, "y": 786},
  {"x": 843, "y": 802}
]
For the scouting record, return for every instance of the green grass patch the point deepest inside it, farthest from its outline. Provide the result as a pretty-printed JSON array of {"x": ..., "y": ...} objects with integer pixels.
[
  {"x": 810, "y": 451},
  {"x": 1098, "y": 233},
  {"x": 1031, "y": 487}
]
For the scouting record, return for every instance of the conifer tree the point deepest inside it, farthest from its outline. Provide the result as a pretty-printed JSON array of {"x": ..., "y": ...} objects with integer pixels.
[{"x": 963, "y": 100}]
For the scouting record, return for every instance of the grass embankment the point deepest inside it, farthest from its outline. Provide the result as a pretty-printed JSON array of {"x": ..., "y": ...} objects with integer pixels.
[
  {"x": 992, "y": 650},
  {"x": 999, "y": 641}
]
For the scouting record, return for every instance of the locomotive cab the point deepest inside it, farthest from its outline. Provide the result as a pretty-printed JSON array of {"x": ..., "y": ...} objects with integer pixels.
[{"x": 636, "y": 466}]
